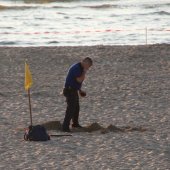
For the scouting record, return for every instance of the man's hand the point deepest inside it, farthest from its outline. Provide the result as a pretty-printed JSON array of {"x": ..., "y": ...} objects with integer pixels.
[{"x": 82, "y": 93}]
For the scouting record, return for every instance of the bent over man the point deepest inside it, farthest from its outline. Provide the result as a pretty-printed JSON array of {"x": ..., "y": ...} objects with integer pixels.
[{"x": 72, "y": 90}]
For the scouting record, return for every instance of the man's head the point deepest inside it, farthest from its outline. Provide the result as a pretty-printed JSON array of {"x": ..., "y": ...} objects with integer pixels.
[{"x": 87, "y": 63}]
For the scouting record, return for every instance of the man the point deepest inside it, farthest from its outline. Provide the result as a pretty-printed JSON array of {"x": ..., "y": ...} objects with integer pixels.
[{"x": 72, "y": 90}]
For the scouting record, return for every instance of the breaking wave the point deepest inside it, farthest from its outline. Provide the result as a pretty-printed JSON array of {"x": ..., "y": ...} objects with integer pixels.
[
  {"x": 103, "y": 6},
  {"x": 17, "y": 7},
  {"x": 162, "y": 13}
]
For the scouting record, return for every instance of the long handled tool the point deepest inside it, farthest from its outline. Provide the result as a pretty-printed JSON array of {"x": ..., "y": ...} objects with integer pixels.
[{"x": 60, "y": 135}]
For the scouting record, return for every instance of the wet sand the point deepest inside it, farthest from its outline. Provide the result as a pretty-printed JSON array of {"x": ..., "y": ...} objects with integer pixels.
[{"x": 126, "y": 113}]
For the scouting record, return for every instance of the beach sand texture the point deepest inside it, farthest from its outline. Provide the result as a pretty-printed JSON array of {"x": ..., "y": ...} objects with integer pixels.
[{"x": 128, "y": 87}]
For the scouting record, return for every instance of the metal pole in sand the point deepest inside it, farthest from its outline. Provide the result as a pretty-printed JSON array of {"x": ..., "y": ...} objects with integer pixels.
[
  {"x": 29, "y": 97},
  {"x": 146, "y": 35}
]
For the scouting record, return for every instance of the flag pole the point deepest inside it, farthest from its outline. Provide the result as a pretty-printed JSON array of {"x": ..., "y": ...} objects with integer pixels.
[
  {"x": 28, "y": 84},
  {"x": 29, "y": 97}
]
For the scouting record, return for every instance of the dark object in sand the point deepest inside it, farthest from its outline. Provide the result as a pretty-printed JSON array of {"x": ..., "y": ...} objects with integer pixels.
[{"x": 36, "y": 133}]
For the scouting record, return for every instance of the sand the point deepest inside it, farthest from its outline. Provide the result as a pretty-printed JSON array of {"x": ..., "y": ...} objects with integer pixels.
[{"x": 127, "y": 89}]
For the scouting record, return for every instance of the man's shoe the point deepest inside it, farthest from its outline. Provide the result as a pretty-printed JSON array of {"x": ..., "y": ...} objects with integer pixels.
[
  {"x": 76, "y": 126},
  {"x": 66, "y": 130}
]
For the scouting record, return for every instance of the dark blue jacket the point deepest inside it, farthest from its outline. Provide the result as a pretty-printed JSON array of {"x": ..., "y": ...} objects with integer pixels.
[{"x": 75, "y": 71}]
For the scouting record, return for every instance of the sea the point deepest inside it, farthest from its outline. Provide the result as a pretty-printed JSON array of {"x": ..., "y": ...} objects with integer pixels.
[{"x": 84, "y": 22}]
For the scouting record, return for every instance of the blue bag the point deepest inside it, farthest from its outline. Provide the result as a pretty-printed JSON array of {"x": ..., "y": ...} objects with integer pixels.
[{"x": 36, "y": 133}]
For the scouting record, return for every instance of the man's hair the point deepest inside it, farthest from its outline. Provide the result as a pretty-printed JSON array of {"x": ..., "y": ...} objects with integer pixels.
[{"x": 88, "y": 60}]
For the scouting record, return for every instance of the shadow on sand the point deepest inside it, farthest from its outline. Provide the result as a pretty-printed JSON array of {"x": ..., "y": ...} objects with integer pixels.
[{"x": 56, "y": 125}]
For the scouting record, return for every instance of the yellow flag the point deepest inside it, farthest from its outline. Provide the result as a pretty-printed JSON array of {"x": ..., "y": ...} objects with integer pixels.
[{"x": 28, "y": 77}]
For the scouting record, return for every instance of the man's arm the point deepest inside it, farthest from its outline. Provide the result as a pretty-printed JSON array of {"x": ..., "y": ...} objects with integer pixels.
[{"x": 81, "y": 78}]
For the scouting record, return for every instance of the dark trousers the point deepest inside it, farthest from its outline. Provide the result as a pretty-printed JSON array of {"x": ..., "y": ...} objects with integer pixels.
[{"x": 73, "y": 108}]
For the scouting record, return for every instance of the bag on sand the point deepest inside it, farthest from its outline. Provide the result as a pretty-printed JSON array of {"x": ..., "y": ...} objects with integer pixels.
[{"x": 36, "y": 133}]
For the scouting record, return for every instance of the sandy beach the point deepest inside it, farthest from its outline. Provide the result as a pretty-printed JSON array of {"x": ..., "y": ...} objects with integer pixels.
[{"x": 128, "y": 87}]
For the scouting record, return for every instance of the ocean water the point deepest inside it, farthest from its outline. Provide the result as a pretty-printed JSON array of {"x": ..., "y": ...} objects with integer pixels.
[{"x": 84, "y": 22}]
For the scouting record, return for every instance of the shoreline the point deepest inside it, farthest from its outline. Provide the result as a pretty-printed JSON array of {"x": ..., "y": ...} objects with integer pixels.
[{"x": 97, "y": 45}]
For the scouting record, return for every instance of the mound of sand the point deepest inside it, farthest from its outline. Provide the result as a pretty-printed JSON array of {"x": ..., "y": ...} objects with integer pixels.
[{"x": 52, "y": 125}]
